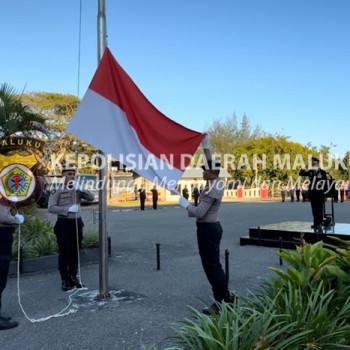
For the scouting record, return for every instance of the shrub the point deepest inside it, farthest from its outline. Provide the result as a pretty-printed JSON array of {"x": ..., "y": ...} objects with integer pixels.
[
  {"x": 305, "y": 307},
  {"x": 37, "y": 239}
]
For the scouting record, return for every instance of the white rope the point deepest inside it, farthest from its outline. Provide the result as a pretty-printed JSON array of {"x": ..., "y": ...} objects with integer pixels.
[
  {"x": 58, "y": 314},
  {"x": 63, "y": 311}
]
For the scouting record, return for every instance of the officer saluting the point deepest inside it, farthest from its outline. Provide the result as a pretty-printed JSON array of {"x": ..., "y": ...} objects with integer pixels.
[
  {"x": 318, "y": 179},
  {"x": 65, "y": 202},
  {"x": 7, "y": 222}
]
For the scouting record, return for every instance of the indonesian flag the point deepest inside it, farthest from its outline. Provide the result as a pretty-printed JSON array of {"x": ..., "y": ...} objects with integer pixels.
[{"x": 115, "y": 117}]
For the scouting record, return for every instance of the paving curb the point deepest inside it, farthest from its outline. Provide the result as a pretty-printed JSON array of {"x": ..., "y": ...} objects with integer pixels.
[{"x": 49, "y": 263}]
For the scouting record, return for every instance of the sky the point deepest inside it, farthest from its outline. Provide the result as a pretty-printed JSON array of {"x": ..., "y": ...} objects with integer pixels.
[{"x": 283, "y": 63}]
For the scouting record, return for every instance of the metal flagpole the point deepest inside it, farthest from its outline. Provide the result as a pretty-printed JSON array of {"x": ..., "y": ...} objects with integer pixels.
[{"x": 102, "y": 173}]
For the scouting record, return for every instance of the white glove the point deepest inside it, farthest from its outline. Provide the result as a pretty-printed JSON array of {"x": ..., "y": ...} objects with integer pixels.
[
  {"x": 19, "y": 219},
  {"x": 74, "y": 208},
  {"x": 205, "y": 141},
  {"x": 183, "y": 202}
]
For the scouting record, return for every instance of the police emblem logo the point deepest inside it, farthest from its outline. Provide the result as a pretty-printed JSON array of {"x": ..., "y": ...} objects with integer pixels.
[
  {"x": 17, "y": 180},
  {"x": 19, "y": 169}
]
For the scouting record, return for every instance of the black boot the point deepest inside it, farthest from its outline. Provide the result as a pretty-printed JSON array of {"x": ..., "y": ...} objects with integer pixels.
[
  {"x": 212, "y": 309},
  {"x": 67, "y": 285},
  {"x": 6, "y": 318},
  {"x": 76, "y": 282},
  {"x": 7, "y": 323},
  {"x": 215, "y": 307},
  {"x": 229, "y": 298}
]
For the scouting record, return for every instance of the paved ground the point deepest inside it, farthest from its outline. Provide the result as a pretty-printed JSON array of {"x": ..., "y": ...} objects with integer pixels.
[{"x": 145, "y": 302}]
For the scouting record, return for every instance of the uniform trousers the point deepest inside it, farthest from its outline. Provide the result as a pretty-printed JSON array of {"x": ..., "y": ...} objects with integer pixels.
[
  {"x": 142, "y": 203},
  {"x": 208, "y": 238},
  {"x": 155, "y": 202},
  {"x": 68, "y": 245},
  {"x": 317, "y": 205},
  {"x": 6, "y": 238}
]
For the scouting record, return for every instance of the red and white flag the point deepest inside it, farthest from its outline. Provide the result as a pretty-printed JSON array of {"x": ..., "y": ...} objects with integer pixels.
[{"x": 115, "y": 117}]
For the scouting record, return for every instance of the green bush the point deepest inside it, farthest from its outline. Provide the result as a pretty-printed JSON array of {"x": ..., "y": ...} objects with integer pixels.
[
  {"x": 37, "y": 239},
  {"x": 305, "y": 307},
  {"x": 238, "y": 326},
  {"x": 90, "y": 239}
]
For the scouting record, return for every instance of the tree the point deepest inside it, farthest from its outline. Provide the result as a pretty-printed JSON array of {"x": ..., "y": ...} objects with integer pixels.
[
  {"x": 58, "y": 110},
  {"x": 252, "y": 154},
  {"x": 15, "y": 116},
  {"x": 225, "y": 135}
]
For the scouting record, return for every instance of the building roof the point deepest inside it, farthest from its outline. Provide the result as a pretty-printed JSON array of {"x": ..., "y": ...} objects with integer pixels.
[{"x": 197, "y": 173}]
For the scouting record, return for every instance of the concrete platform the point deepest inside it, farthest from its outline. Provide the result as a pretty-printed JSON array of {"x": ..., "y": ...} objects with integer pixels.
[{"x": 288, "y": 234}]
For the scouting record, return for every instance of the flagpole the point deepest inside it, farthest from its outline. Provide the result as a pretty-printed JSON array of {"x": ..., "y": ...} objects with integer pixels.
[{"x": 102, "y": 173}]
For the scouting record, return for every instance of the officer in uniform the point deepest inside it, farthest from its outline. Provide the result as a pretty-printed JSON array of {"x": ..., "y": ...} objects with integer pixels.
[
  {"x": 154, "y": 197},
  {"x": 209, "y": 230},
  {"x": 318, "y": 180},
  {"x": 7, "y": 222},
  {"x": 65, "y": 202},
  {"x": 142, "y": 194}
]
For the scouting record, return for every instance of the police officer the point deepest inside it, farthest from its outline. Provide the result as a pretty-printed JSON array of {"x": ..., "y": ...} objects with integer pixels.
[
  {"x": 154, "y": 197},
  {"x": 195, "y": 194},
  {"x": 142, "y": 194},
  {"x": 318, "y": 179},
  {"x": 185, "y": 192},
  {"x": 209, "y": 230},
  {"x": 7, "y": 222},
  {"x": 65, "y": 202}
]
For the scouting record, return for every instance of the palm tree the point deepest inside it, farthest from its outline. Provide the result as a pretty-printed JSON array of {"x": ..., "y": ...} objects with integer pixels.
[{"x": 15, "y": 117}]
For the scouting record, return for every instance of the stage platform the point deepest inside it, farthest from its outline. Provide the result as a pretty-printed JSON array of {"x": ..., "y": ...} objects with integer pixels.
[{"x": 287, "y": 234}]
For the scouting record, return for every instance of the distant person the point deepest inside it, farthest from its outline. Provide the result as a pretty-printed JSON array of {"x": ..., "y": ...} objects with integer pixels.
[
  {"x": 291, "y": 191},
  {"x": 142, "y": 196},
  {"x": 283, "y": 192},
  {"x": 7, "y": 228},
  {"x": 65, "y": 202},
  {"x": 185, "y": 192},
  {"x": 336, "y": 195},
  {"x": 318, "y": 179},
  {"x": 154, "y": 197},
  {"x": 304, "y": 191},
  {"x": 342, "y": 191},
  {"x": 195, "y": 194},
  {"x": 297, "y": 192},
  {"x": 135, "y": 192}
]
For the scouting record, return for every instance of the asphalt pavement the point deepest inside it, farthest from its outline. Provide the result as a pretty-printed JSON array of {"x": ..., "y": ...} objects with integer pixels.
[{"x": 145, "y": 303}]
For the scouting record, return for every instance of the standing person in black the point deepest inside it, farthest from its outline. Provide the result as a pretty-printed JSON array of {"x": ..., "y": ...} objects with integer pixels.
[
  {"x": 65, "y": 202},
  {"x": 195, "y": 194},
  {"x": 185, "y": 192},
  {"x": 317, "y": 185},
  {"x": 154, "y": 197},
  {"x": 142, "y": 195},
  {"x": 342, "y": 191},
  {"x": 7, "y": 222},
  {"x": 209, "y": 230},
  {"x": 297, "y": 192}
]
